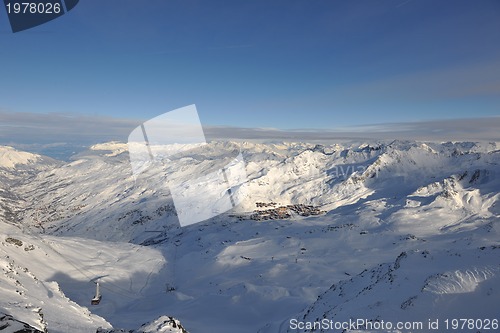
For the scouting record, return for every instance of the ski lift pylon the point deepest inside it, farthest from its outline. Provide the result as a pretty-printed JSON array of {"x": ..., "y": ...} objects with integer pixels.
[{"x": 97, "y": 298}]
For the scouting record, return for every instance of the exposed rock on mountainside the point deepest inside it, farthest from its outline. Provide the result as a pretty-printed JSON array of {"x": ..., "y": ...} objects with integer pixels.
[
  {"x": 164, "y": 324},
  {"x": 10, "y": 325}
]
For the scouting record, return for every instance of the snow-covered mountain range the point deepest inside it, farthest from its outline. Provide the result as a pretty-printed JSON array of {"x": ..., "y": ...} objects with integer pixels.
[{"x": 393, "y": 231}]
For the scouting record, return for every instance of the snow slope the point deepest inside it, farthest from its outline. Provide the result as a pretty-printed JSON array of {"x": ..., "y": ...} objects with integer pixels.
[
  {"x": 9, "y": 324},
  {"x": 390, "y": 207},
  {"x": 44, "y": 274},
  {"x": 164, "y": 324},
  {"x": 10, "y": 157},
  {"x": 418, "y": 287}
]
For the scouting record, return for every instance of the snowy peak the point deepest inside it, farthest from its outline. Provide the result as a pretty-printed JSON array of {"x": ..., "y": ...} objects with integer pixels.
[
  {"x": 113, "y": 148},
  {"x": 12, "y": 159},
  {"x": 164, "y": 324}
]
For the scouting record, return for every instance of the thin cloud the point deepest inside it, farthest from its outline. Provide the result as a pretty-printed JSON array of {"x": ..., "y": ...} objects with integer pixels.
[
  {"x": 44, "y": 130},
  {"x": 473, "y": 129},
  {"x": 403, "y": 3},
  {"x": 450, "y": 83},
  {"x": 55, "y": 127}
]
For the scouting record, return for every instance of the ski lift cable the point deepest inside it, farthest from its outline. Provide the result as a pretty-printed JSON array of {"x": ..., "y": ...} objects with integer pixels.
[
  {"x": 126, "y": 293},
  {"x": 174, "y": 266},
  {"x": 108, "y": 283}
]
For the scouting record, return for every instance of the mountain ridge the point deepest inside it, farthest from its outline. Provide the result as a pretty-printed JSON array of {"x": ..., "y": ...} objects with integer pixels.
[{"x": 380, "y": 199}]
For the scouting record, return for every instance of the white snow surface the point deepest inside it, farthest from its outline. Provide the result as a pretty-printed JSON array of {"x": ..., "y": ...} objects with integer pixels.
[
  {"x": 410, "y": 232},
  {"x": 10, "y": 157}
]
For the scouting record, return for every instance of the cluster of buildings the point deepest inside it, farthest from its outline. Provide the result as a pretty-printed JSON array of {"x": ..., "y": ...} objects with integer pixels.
[{"x": 282, "y": 212}]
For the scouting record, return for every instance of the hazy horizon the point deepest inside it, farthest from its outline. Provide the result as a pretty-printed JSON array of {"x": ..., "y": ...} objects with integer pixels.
[{"x": 62, "y": 135}]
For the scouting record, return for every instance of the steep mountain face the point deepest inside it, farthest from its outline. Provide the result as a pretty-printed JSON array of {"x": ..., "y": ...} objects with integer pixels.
[
  {"x": 389, "y": 230},
  {"x": 419, "y": 288},
  {"x": 16, "y": 168}
]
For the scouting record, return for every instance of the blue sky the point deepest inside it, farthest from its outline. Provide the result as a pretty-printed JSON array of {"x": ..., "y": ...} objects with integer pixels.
[{"x": 315, "y": 64}]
